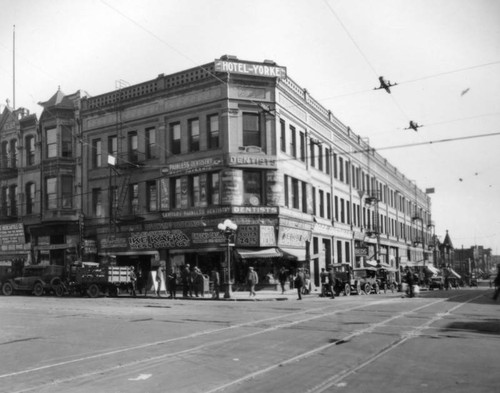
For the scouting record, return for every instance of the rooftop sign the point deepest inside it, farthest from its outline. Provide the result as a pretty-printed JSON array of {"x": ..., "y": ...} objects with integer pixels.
[{"x": 235, "y": 67}]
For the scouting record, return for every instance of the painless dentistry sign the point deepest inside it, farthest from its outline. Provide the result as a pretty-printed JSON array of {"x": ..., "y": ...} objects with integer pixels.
[{"x": 257, "y": 69}]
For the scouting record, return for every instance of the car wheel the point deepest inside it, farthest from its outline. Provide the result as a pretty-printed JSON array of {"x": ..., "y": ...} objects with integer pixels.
[
  {"x": 93, "y": 290},
  {"x": 38, "y": 289},
  {"x": 347, "y": 290},
  {"x": 7, "y": 289},
  {"x": 377, "y": 289},
  {"x": 367, "y": 288},
  {"x": 58, "y": 290}
]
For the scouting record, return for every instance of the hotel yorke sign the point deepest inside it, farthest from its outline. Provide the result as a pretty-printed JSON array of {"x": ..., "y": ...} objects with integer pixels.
[{"x": 256, "y": 69}]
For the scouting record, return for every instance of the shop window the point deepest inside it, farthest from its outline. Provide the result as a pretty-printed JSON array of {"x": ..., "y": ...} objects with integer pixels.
[{"x": 251, "y": 129}]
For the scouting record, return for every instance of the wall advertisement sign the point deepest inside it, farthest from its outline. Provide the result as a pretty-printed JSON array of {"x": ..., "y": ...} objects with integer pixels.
[
  {"x": 255, "y": 236},
  {"x": 11, "y": 235}
]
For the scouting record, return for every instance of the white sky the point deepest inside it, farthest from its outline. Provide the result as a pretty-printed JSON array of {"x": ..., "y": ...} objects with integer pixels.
[{"x": 334, "y": 48}]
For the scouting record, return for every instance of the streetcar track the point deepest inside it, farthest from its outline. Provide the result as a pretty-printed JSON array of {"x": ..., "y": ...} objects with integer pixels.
[{"x": 282, "y": 325}]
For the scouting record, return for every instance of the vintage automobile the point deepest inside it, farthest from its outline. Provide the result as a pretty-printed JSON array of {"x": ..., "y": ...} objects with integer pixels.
[
  {"x": 344, "y": 281},
  {"x": 436, "y": 282},
  {"x": 387, "y": 280},
  {"x": 367, "y": 279},
  {"x": 35, "y": 279}
]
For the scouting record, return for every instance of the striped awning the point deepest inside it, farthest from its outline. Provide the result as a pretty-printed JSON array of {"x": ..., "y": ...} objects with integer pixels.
[{"x": 249, "y": 253}]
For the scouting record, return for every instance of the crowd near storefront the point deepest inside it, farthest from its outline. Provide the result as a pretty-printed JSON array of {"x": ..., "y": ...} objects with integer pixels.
[{"x": 142, "y": 176}]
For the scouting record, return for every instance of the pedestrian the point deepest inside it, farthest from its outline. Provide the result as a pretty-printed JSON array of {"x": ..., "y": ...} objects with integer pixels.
[
  {"x": 252, "y": 280},
  {"x": 299, "y": 282},
  {"x": 159, "y": 280},
  {"x": 497, "y": 284},
  {"x": 216, "y": 283},
  {"x": 409, "y": 281},
  {"x": 192, "y": 279},
  {"x": 172, "y": 284},
  {"x": 198, "y": 282},
  {"x": 185, "y": 277},
  {"x": 282, "y": 277},
  {"x": 331, "y": 282},
  {"x": 133, "y": 281},
  {"x": 323, "y": 275}
]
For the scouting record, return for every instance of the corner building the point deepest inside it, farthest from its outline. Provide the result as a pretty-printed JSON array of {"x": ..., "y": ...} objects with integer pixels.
[{"x": 167, "y": 160}]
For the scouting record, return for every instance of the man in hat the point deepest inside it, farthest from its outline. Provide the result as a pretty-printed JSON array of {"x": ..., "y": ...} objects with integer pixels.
[{"x": 252, "y": 280}]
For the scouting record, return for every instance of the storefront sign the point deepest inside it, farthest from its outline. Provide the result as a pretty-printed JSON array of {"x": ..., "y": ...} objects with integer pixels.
[
  {"x": 251, "y": 160},
  {"x": 254, "y": 210},
  {"x": 197, "y": 212},
  {"x": 12, "y": 234},
  {"x": 193, "y": 166},
  {"x": 265, "y": 70},
  {"x": 174, "y": 238},
  {"x": 360, "y": 251},
  {"x": 292, "y": 237}
]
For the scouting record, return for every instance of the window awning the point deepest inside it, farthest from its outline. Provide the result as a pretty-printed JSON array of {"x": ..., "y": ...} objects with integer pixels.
[
  {"x": 294, "y": 254},
  {"x": 249, "y": 253}
]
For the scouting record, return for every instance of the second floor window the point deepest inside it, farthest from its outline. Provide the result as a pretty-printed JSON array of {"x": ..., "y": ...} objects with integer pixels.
[
  {"x": 13, "y": 200},
  {"x": 5, "y": 155},
  {"x": 67, "y": 192},
  {"x": 97, "y": 207},
  {"x": 67, "y": 142},
  {"x": 13, "y": 153},
  {"x": 194, "y": 191},
  {"x": 293, "y": 142},
  {"x": 251, "y": 129},
  {"x": 152, "y": 196},
  {"x": 4, "y": 200},
  {"x": 283, "y": 135},
  {"x": 51, "y": 193},
  {"x": 51, "y": 142},
  {"x": 175, "y": 193},
  {"x": 194, "y": 135},
  {"x": 30, "y": 198},
  {"x": 96, "y": 153},
  {"x": 175, "y": 138},
  {"x": 134, "y": 198},
  {"x": 213, "y": 189}
]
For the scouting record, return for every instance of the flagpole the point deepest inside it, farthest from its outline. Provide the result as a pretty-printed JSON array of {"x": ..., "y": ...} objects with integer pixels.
[{"x": 14, "y": 68}]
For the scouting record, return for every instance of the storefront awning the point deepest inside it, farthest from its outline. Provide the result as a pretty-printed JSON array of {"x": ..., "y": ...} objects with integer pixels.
[
  {"x": 371, "y": 263},
  {"x": 432, "y": 269},
  {"x": 454, "y": 273},
  {"x": 249, "y": 253},
  {"x": 295, "y": 254}
]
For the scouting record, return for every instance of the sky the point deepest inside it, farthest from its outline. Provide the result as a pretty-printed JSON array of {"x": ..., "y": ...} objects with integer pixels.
[{"x": 444, "y": 56}]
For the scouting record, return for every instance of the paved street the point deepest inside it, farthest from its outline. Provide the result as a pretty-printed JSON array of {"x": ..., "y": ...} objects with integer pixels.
[{"x": 442, "y": 341}]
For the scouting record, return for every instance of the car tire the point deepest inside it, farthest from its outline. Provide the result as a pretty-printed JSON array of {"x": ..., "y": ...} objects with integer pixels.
[
  {"x": 347, "y": 290},
  {"x": 7, "y": 289},
  {"x": 38, "y": 289},
  {"x": 58, "y": 290},
  {"x": 93, "y": 291},
  {"x": 367, "y": 288}
]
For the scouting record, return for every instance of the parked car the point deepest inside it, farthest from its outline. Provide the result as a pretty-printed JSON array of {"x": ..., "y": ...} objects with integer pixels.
[
  {"x": 436, "y": 283},
  {"x": 366, "y": 278},
  {"x": 35, "y": 279}
]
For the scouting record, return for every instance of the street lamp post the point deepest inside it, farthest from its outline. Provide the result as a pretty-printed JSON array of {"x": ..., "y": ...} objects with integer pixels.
[{"x": 228, "y": 229}]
